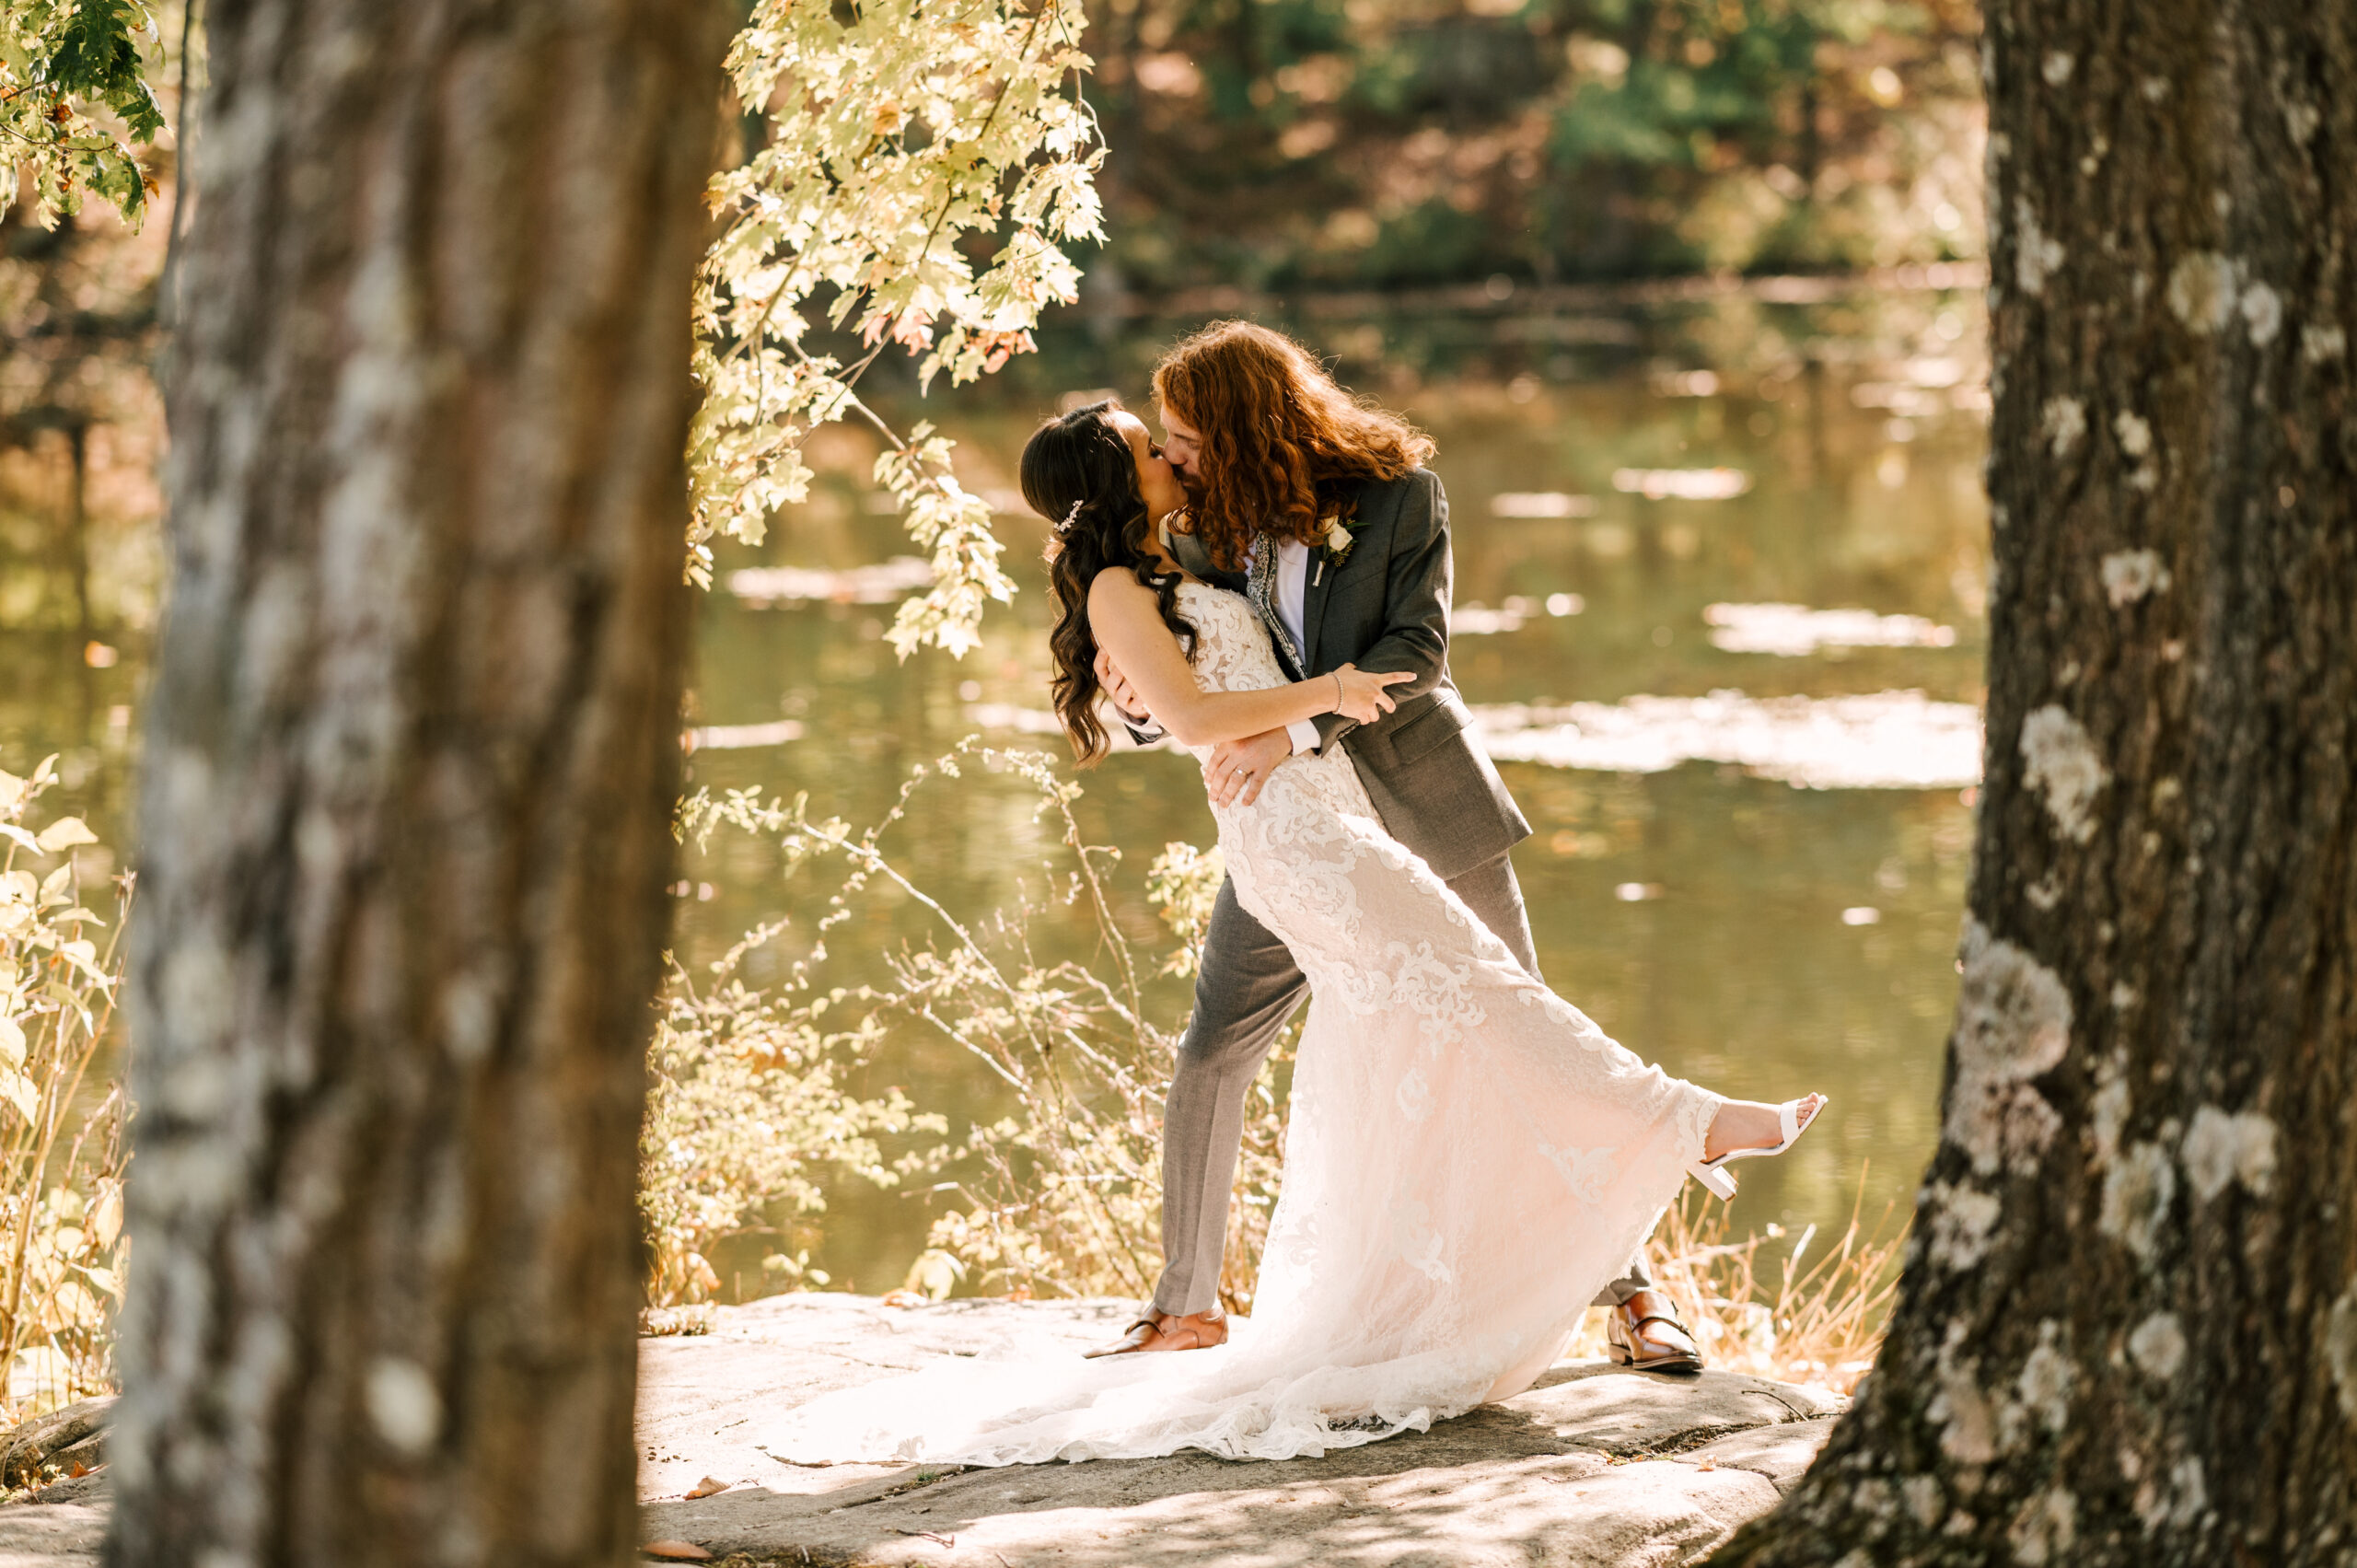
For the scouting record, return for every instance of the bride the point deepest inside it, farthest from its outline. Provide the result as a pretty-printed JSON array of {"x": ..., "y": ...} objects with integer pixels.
[{"x": 1447, "y": 1108}]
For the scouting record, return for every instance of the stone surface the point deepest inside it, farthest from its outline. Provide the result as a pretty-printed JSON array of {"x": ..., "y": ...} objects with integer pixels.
[
  {"x": 55, "y": 1441},
  {"x": 52, "y": 1535},
  {"x": 1595, "y": 1466}
]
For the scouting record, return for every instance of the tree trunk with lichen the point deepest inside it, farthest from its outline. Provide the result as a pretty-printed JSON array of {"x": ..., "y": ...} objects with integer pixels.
[
  {"x": 2128, "y": 1330},
  {"x": 411, "y": 750}
]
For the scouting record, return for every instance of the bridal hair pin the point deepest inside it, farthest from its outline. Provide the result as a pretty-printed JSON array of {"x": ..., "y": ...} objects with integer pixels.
[{"x": 1065, "y": 528}]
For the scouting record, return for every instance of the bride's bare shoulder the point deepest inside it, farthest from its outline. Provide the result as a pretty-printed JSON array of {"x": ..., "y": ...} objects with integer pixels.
[{"x": 1116, "y": 588}]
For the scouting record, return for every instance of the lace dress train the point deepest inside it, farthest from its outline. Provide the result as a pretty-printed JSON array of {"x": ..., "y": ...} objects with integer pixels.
[{"x": 1470, "y": 1159}]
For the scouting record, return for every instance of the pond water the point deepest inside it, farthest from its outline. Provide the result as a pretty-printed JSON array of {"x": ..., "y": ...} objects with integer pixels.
[{"x": 1721, "y": 567}]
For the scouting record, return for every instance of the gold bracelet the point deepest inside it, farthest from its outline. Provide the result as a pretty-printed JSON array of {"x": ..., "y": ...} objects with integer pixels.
[{"x": 1338, "y": 691}]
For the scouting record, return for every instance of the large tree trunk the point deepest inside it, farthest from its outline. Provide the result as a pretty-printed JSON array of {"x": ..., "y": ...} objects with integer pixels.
[
  {"x": 412, "y": 751},
  {"x": 2128, "y": 1332},
  {"x": 2129, "y": 1316}
]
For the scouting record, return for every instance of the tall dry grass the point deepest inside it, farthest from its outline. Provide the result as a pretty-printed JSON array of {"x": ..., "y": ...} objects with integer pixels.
[{"x": 62, "y": 1151}]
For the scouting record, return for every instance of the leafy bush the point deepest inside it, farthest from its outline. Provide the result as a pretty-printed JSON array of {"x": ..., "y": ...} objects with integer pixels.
[{"x": 62, "y": 1153}]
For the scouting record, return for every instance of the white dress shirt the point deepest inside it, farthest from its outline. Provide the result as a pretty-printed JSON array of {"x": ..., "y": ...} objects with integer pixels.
[{"x": 1293, "y": 580}]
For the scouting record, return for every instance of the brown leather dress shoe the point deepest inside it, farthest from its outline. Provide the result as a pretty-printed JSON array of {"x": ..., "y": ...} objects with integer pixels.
[
  {"x": 1645, "y": 1333},
  {"x": 1166, "y": 1331}
]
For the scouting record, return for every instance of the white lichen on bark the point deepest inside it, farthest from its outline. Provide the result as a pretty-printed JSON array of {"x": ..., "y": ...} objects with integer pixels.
[
  {"x": 2012, "y": 1024},
  {"x": 2135, "y": 434},
  {"x": 2176, "y": 1500},
  {"x": 404, "y": 1405},
  {"x": 2064, "y": 768},
  {"x": 2137, "y": 1192},
  {"x": 2201, "y": 291},
  {"x": 2044, "y": 1386},
  {"x": 2062, "y": 422},
  {"x": 2220, "y": 1149},
  {"x": 2157, "y": 1346},
  {"x": 1962, "y": 1219},
  {"x": 2262, "y": 313},
  {"x": 2341, "y": 1350},
  {"x": 1967, "y": 1418},
  {"x": 2045, "y": 1530},
  {"x": 2108, "y": 1114},
  {"x": 1923, "y": 1499},
  {"x": 2035, "y": 257},
  {"x": 2130, "y": 574}
]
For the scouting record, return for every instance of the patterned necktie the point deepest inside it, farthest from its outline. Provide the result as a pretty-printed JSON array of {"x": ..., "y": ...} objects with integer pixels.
[{"x": 1260, "y": 588}]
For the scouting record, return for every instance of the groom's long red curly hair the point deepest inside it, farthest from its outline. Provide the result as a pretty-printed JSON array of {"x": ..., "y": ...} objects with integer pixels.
[{"x": 1283, "y": 449}]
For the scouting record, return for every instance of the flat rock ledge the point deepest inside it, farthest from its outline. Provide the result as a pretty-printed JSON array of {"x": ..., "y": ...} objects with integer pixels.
[{"x": 1594, "y": 1468}]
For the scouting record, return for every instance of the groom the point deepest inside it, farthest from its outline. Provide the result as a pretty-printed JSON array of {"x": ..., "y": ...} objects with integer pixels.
[{"x": 1270, "y": 451}]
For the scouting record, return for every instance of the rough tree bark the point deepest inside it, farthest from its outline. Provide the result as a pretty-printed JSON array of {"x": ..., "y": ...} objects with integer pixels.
[
  {"x": 412, "y": 751},
  {"x": 2128, "y": 1332}
]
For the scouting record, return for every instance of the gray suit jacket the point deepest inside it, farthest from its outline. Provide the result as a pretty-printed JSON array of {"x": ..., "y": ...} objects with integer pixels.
[{"x": 1386, "y": 607}]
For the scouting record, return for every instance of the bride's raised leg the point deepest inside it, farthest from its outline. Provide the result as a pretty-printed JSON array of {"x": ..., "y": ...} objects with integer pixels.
[{"x": 1746, "y": 1129}]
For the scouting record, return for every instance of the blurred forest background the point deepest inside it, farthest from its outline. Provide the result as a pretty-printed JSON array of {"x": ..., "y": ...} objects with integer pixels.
[{"x": 1291, "y": 144}]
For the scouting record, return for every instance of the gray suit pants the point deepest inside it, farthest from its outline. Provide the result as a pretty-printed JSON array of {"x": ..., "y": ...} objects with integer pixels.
[{"x": 1247, "y": 986}]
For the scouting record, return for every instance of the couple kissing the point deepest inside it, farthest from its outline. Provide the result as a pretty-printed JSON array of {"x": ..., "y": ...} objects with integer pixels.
[{"x": 1471, "y": 1161}]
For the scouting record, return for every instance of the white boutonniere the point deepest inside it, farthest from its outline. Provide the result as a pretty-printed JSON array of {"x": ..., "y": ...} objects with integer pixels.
[{"x": 1336, "y": 546}]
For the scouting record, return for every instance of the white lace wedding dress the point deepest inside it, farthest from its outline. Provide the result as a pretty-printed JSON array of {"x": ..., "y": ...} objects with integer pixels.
[{"x": 1470, "y": 1159}]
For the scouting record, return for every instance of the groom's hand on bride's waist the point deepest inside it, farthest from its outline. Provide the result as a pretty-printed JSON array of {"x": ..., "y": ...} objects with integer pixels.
[{"x": 1235, "y": 770}]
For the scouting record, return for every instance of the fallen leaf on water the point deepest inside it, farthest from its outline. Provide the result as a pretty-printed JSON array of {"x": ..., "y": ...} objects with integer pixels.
[
  {"x": 709, "y": 1485},
  {"x": 676, "y": 1551}
]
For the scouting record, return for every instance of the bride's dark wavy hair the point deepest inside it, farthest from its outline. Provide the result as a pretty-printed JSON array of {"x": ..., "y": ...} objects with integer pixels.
[{"x": 1077, "y": 472}]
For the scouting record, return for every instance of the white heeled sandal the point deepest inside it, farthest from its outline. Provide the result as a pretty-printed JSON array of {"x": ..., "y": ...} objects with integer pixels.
[{"x": 1712, "y": 1173}]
